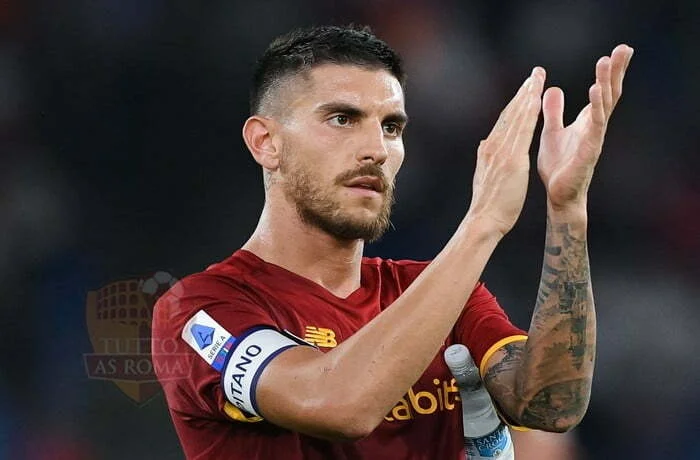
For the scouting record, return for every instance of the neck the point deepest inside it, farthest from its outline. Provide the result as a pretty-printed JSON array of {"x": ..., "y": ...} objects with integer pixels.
[{"x": 283, "y": 239}]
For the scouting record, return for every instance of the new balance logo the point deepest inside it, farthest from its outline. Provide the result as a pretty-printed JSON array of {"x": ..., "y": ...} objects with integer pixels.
[{"x": 320, "y": 336}]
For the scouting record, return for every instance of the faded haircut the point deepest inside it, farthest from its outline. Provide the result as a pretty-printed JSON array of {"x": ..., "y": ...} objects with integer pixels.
[{"x": 300, "y": 50}]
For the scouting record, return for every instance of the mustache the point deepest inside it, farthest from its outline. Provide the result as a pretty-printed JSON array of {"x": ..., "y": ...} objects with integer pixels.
[{"x": 370, "y": 169}]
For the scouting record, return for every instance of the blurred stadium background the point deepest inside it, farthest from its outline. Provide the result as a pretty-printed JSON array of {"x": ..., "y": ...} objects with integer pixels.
[{"x": 120, "y": 155}]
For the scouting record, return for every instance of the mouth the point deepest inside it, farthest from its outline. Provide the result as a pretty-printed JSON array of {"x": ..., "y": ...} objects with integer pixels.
[{"x": 371, "y": 183}]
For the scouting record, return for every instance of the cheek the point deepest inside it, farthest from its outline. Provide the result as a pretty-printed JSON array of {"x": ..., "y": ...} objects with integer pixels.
[
  {"x": 395, "y": 160},
  {"x": 313, "y": 145},
  {"x": 307, "y": 161},
  {"x": 322, "y": 156}
]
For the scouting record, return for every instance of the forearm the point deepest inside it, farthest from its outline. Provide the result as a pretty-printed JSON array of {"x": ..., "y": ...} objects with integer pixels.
[
  {"x": 404, "y": 339},
  {"x": 369, "y": 372},
  {"x": 556, "y": 369},
  {"x": 546, "y": 382}
]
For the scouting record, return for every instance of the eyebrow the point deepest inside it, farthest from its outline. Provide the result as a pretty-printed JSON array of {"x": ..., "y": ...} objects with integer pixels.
[{"x": 353, "y": 111}]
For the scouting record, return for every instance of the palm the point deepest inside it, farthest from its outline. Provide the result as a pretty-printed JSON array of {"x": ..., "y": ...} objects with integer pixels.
[{"x": 568, "y": 154}]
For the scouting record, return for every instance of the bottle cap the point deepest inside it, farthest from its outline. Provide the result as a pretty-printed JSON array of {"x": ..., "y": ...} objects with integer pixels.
[{"x": 461, "y": 364}]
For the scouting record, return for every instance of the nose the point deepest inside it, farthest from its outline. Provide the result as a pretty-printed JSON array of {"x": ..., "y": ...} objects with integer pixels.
[{"x": 374, "y": 145}]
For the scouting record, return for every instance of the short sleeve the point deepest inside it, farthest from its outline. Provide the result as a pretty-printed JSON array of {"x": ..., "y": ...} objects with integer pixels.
[
  {"x": 198, "y": 391},
  {"x": 484, "y": 327}
]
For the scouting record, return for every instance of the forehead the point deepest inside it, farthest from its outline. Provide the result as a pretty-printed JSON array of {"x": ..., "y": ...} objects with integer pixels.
[{"x": 370, "y": 89}]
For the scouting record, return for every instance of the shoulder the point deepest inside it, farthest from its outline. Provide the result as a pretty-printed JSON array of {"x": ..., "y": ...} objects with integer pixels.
[
  {"x": 229, "y": 276},
  {"x": 403, "y": 272},
  {"x": 393, "y": 276},
  {"x": 226, "y": 282},
  {"x": 403, "y": 267}
]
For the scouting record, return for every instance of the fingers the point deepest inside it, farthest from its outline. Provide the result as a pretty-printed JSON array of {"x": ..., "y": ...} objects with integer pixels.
[
  {"x": 607, "y": 90},
  {"x": 524, "y": 129},
  {"x": 619, "y": 62},
  {"x": 553, "y": 109},
  {"x": 597, "y": 108},
  {"x": 602, "y": 77},
  {"x": 510, "y": 116},
  {"x": 505, "y": 119},
  {"x": 610, "y": 73}
]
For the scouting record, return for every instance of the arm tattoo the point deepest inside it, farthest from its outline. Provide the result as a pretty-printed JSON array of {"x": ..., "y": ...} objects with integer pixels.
[
  {"x": 557, "y": 364},
  {"x": 544, "y": 383},
  {"x": 499, "y": 378},
  {"x": 565, "y": 398},
  {"x": 505, "y": 366}
]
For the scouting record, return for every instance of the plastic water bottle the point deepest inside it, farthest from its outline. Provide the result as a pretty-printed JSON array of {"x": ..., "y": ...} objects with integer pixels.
[{"x": 485, "y": 435}]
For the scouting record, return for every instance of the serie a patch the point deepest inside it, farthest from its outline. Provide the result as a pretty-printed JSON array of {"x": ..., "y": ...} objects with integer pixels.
[
  {"x": 209, "y": 339},
  {"x": 241, "y": 359}
]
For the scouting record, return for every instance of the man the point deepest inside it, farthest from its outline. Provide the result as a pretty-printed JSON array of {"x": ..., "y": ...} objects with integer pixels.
[{"x": 369, "y": 381}]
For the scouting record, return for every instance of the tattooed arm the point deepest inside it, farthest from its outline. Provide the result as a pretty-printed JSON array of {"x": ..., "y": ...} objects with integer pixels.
[{"x": 545, "y": 382}]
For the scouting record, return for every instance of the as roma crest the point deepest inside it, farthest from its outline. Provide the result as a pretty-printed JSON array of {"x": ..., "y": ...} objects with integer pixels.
[{"x": 119, "y": 317}]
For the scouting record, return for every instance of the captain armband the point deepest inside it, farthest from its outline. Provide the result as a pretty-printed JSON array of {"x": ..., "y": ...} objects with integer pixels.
[{"x": 240, "y": 360}]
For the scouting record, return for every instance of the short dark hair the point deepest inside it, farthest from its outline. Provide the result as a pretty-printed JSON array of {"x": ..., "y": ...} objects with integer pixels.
[{"x": 302, "y": 49}]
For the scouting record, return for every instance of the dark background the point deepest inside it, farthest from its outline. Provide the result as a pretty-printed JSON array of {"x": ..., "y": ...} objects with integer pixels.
[{"x": 121, "y": 154}]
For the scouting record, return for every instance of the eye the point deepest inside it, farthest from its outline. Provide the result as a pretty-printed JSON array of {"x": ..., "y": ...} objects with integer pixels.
[
  {"x": 341, "y": 120},
  {"x": 393, "y": 129}
]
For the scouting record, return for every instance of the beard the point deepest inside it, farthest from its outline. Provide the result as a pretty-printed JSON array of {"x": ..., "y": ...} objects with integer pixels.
[{"x": 319, "y": 208}]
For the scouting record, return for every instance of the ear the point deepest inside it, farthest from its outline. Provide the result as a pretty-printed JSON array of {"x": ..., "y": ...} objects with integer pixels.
[{"x": 257, "y": 134}]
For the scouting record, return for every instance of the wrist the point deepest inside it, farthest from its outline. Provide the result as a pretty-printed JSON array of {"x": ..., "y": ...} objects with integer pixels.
[
  {"x": 480, "y": 229},
  {"x": 575, "y": 215}
]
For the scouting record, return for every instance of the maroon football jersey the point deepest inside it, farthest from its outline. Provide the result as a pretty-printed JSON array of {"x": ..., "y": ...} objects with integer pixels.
[{"x": 244, "y": 292}]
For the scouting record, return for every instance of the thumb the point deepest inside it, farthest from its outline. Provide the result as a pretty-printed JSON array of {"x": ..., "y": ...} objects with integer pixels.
[{"x": 553, "y": 109}]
